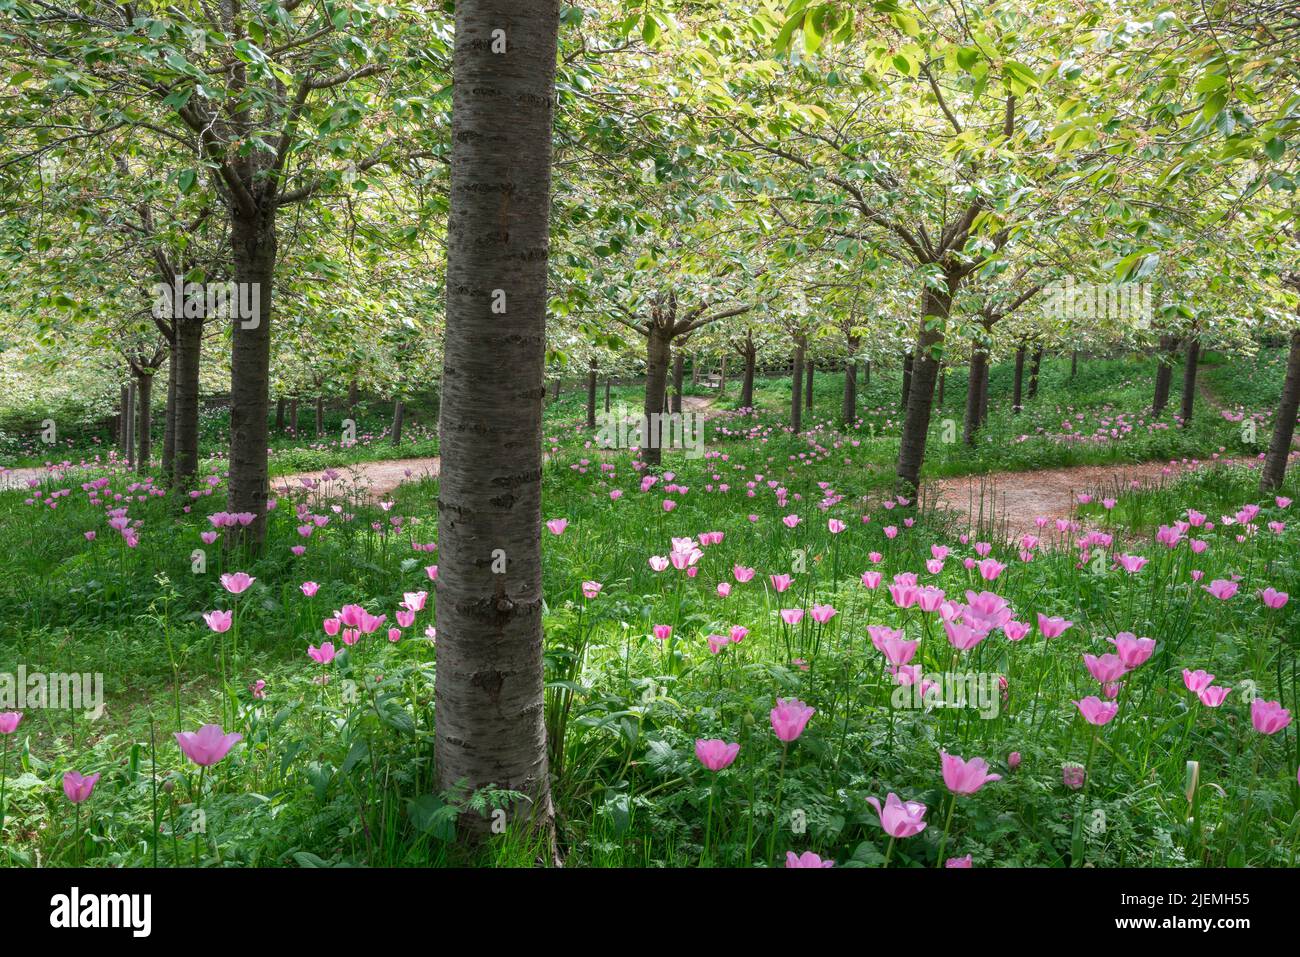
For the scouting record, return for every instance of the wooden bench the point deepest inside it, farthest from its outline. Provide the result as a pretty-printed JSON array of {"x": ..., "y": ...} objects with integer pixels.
[{"x": 711, "y": 381}]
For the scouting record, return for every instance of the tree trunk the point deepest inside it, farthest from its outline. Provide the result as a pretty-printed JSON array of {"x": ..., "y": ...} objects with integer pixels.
[
  {"x": 984, "y": 392},
  {"x": 169, "y": 413},
  {"x": 1074, "y": 363},
  {"x": 557, "y": 388},
  {"x": 908, "y": 362},
  {"x": 943, "y": 383},
  {"x": 1164, "y": 373},
  {"x": 722, "y": 377},
  {"x": 122, "y": 416},
  {"x": 849, "y": 405},
  {"x": 866, "y": 375},
  {"x": 279, "y": 414},
  {"x": 658, "y": 346},
  {"x": 591, "y": 395},
  {"x": 1033, "y": 372},
  {"x": 747, "y": 380},
  {"x": 1017, "y": 389},
  {"x": 320, "y": 414},
  {"x": 399, "y": 413},
  {"x": 1279, "y": 447},
  {"x": 796, "y": 384},
  {"x": 1189, "y": 380},
  {"x": 607, "y": 394},
  {"x": 144, "y": 440},
  {"x": 979, "y": 361},
  {"x": 293, "y": 416},
  {"x": 489, "y": 681},
  {"x": 695, "y": 370},
  {"x": 189, "y": 345},
  {"x": 678, "y": 363},
  {"x": 253, "y": 240},
  {"x": 129, "y": 414},
  {"x": 353, "y": 396},
  {"x": 808, "y": 380},
  {"x": 935, "y": 304}
]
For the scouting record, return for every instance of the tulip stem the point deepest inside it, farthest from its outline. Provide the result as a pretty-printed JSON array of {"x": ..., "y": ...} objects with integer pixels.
[
  {"x": 889, "y": 851},
  {"x": 947, "y": 824},
  {"x": 780, "y": 787},
  {"x": 708, "y": 821},
  {"x": 4, "y": 781}
]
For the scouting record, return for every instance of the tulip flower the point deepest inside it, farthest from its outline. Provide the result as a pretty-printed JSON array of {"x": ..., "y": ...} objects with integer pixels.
[
  {"x": 556, "y": 526},
  {"x": 1197, "y": 681},
  {"x": 899, "y": 819},
  {"x": 965, "y": 777},
  {"x": 1268, "y": 717},
  {"x": 1052, "y": 627},
  {"x": 714, "y": 753},
  {"x": 208, "y": 745},
  {"x": 1095, "y": 711},
  {"x": 309, "y": 589},
  {"x": 959, "y": 861},
  {"x": 78, "y": 788},
  {"x": 789, "y": 718},
  {"x": 236, "y": 583},
  {"x": 218, "y": 621},
  {"x": 322, "y": 655},
  {"x": 1221, "y": 589},
  {"x": 806, "y": 859}
]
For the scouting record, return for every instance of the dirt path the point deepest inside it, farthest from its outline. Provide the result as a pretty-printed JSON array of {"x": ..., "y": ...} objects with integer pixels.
[{"x": 1014, "y": 499}]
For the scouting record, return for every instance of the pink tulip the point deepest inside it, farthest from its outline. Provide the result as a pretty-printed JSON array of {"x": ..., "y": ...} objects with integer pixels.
[
  {"x": 9, "y": 721},
  {"x": 432, "y": 572},
  {"x": 835, "y": 526},
  {"x": 959, "y": 861},
  {"x": 1221, "y": 589},
  {"x": 929, "y": 598},
  {"x": 1197, "y": 681},
  {"x": 669, "y": 505},
  {"x": 990, "y": 569},
  {"x": 871, "y": 579},
  {"x": 898, "y": 652},
  {"x": 78, "y": 788},
  {"x": 738, "y": 634},
  {"x": 724, "y": 589},
  {"x": 218, "y": 621},
  {"x": 741, "y": 573},
  {"x": 1105, "y": 668},
  {"x": 963, "y": 637},
  {"x": 1132, "y": 650},
  {"x": 591, "y": 589},
  {"x": 790, "y": 521},
  {"x": 414, "y": 600},
  {"x": 790, "y": 717},
  {"x": 965, "y": 777},
  {"x": 322, "y": 655},
  {"x": 1213, "y": 695},
  {"x": 1015, "y": 630},
  {"x": 208, "y": 745},
  {"x": 1272, "y": 598},
  {"x": 236, "y": 583},
  {"x": 899, "y": 819},
  {"x": 405, "y": 617},
  {"x": 1095, "y": 711},
  {"x": 823, "y": 613},
  {"x": 331, "y": 626},
  {"x": 717, "y": 642},
  {"x": 1052, "y": 627},
  {"x": 309, "y": 589},
  {"x": 658, "y": 562},
  {"x": 780, "y": 582},
  {"x": 556, "y": 526},
  {"x": 792, "y": 616},
  {"x": 806, "y": 859},
  {"x": 1131, "y": 563},
  {"x": 1268, "y": 717},
  {"x": 904, "y": 593},
  {"x": 714, "y": 753},
  {"x": 1013, "y": 760},
  {"x": 662, "y": 632},
  {"x": 1073, "y": 775}
]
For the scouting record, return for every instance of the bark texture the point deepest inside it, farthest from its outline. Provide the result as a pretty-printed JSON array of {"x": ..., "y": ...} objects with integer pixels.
[
  {"x": 1279, "y": 447},
  {"x": 489, "y": 685}
]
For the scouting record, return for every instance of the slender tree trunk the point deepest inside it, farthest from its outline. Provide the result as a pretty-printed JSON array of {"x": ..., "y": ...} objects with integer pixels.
[
  {"x": 1033, "y": 372},
  {"x": 130, "y": 424},
  {"x": 557, "y": 388},
  {"x": 253, "y": 240},
  {"x": 908, "y": 363},
  {"x": 189, "y": 345},
  {"x": 293, "y": 416},
  {"x": 747, "y": 379},
  {"x": 1074, "y": 363},
  {"x": 1189, "y": 380},
  {"x": 1279, "y": 447},
  {"x": 796, "y": 384},
  {"x": 591, "y": 395},
  {"x": 354, "y": 396},
  {"x": 979, "y": 360},
  {"x": 144, "y": 441},
  {"x": 279, "y": 414},
  {"x": 399, "y": 414},
  {"x": 722, "y": 377},
  {"x": 658, "y": 347},
  {"x": 849, "y": 405},
  {"x": 808, "y": 380},
  {"x": 122, "y": 416},
  {"x": 916, "y": 424},
  {"x": 320, "y": 414},
  {"x": 866, "y": 375},
  {"x": 489, "y": 682},
  {"x": 1017, "y": 389},
  {"x": 695, "y": 370},
  {"x": 678, "y": 363},
  {"x": 169, "y": 414},
  {"x": 606, "y": 393},
  {"x": 984, "y": 392},
  {"x": 1164, "y": 373}
]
